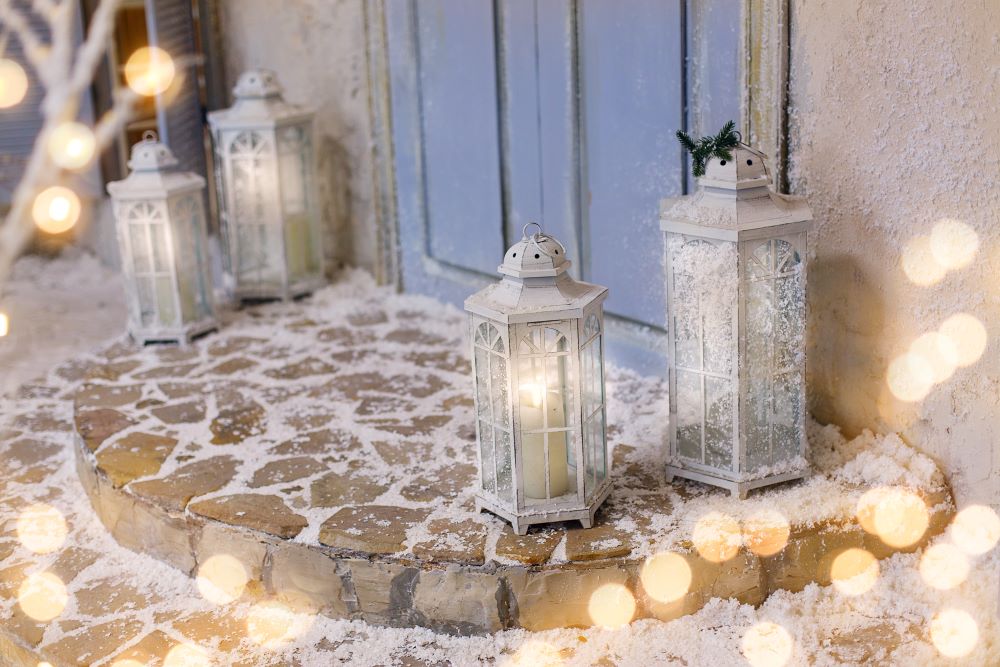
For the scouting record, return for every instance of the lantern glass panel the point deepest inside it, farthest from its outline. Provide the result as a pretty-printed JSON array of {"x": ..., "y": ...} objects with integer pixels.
[
  {"x": 492, "y": 410},
  {"x": 152, "y": 265},
  {"x": 191, "y": 269},
  {"x": 294, "y": 159},
  {"x": 545, "y": 401},
  {"x": 592, "y": 385},
  {"x": 255, "y": 216}
]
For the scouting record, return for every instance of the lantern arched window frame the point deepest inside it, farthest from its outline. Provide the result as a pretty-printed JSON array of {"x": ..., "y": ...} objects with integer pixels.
[
  {"x": 160, "y": 221},
  {"x": 266, "y": 184},
  {"x": 538, "y": 373},
  {"x": 735, "y": 292}
]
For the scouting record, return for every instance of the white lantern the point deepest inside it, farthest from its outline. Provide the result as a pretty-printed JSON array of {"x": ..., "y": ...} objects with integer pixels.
[
  {"x": 736, "y": 285},
  {"x": 538, "y": 369},
  {"x": 266, "y": 183},
  {"x": 160, "y": 215}
]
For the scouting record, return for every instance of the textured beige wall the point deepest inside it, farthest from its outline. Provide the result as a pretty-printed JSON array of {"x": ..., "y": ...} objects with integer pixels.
[
  {"x": 894, "y": 128},
  {"x": 317, "y": 48}
]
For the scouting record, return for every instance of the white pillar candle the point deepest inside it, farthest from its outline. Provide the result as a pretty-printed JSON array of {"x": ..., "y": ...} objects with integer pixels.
[{"x": 533, "y": 445}]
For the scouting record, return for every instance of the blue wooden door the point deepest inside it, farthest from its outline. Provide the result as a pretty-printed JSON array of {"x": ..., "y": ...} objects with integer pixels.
[{"x": 556, "y": 111}]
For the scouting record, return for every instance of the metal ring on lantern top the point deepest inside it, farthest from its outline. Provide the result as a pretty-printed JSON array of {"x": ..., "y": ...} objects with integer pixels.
[
  {"x": 150, "y": 136},
  {"x": 541, "y": 236}
]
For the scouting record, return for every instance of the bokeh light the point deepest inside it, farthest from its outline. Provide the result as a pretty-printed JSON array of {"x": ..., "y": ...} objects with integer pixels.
[
  {"x": 975, "y": 529},
  {"x": 717, "y": 537},
  {"x": 272, "y": 623},
  {"x": 939, "y": 352},
  {"x": 767, "y": 645},
  {"x": 41, "y": 528},
  {"x": 919, "y": 264},
  {"x": 954, "y": 633},
  {"x": 72, "y": 145},
  {"x": 4, "y": 324},
  {"x": 13, "y": 83},
  {"x": 186, "y": 655},
  {"x": 536, "y": 653},
  {"x": 42, "y": 596},
  {"x": 943, "y": 566},
  {"x": 910, "y": 378},
  {"x": 149, "y": 71},
  {"x": 968, "y": 335},
  {"x": 666, "y": 577},
  {"x": 765, "y": 533},
  {"x": 953, "y": 244},
  {"x": 854, "y": 571},
  {"x": 611, "y": 606},
  {"x": 222, "y": 579},
  {"x": 898, "y": 516},
  {"x": 56, "y": 209}
]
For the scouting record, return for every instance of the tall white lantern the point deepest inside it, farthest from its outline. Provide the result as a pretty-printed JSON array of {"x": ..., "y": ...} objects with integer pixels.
[
  {"x": 736, "y": 286},
  {"x": 538, "y": 368},
  {"x": 160, "y": 215},
  {"x": 266, "y": 183}
]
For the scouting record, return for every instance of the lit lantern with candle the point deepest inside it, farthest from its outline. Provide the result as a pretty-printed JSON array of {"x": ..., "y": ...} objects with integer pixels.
[
  {"x": 538, "y": 368},
  {"x": 736, "y": 284},
  {"x": 160, "y": 214},
  {"x": 265, "y": 176}
]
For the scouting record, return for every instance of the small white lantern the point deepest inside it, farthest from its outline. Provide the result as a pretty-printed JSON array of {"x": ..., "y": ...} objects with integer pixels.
[
  {"x": 538, "y": 368},
  {"x": 736, "y": 285},
  {"x": 266, "y": 183},
  {"x": 160, "y": 214}
]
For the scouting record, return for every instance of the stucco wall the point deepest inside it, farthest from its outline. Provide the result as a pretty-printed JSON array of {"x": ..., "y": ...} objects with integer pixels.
[
  {"x": 894, "y": 129},
  {"x": 317, "y": 48}
]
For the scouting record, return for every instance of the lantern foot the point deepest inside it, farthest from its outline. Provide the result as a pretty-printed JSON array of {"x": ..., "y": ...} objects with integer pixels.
[
  {"x": 519, "y": 528},
  {"x": 587, "y": 522}
]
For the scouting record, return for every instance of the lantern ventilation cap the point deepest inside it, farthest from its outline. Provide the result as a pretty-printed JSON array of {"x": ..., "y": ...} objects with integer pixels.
[
  {"x": 151, "y": 154},
  {"x": 747, "y": 166},
  {"x": 257, "y": 84},
  {"x": 537, "y": 255}
]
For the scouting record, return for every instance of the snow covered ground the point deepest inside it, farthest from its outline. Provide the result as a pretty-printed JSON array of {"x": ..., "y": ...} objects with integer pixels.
[{"x": 937, "y": 607}]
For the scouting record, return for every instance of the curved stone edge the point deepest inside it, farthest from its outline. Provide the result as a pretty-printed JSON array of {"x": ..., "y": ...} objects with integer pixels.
[
  {"x": 15, "y": 651},
  {"x": 466, "y": 600}
]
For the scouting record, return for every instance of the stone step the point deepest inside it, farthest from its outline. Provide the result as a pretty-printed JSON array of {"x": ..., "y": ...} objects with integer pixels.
[{"x": 324, "y": 451}]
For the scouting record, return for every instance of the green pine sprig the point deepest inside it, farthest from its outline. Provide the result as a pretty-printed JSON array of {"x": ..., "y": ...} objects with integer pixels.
[{"x": 720, "y": 146}]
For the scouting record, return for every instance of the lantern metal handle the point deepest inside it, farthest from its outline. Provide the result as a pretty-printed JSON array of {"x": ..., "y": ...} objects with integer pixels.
[
  {"x": 541, "y": 236},
  {"x": 150, "y": 135}
]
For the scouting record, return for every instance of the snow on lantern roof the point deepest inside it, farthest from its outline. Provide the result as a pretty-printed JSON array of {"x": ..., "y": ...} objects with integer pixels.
[
  {"x": 259, "y": 103},
  {"x": 154, "y": 173},
  {"x": 535, "y": 284},
  {"x": 733, "y": 197}
]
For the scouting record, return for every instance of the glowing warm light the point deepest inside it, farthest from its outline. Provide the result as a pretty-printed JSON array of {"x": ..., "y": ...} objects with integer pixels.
[
  {"x": 968, "y": 336},
  {"x": 4, "y": 325},
  {"x": 897, "y": 516},
  {"x": 953, "y": 244},
  {"x": 272, "y": 623},
  {"x": 611, "y": 606},
  {"x": 717, "y": 537},
  {"x": 939, "y": 352},
  {"x": 854, "y": 571},
  {"x": 42, "y": 596},
  {"x": 222, "y": 579},
  {"x": 666, "y": 577},
  {"x": 910, "y": 378},
  {"x": 919, "y": 264},
  {"x": 943, "y": 566},
  {"x": 13, "y": 83},
  {"x": 72, "y": 145},
  {"x": 186, "y": 655},
  {"x": 41, "y": 528},
  {"x": 56, "y": 209},
  {"x": 767, "y": 645},
  {"x": 766, "y": 533},
  {"x": 954, "y": 633},
  {"x": 975, "y": 530},
  {"x": 536, "y": 653},
  {"x": 150, "y": 71}
]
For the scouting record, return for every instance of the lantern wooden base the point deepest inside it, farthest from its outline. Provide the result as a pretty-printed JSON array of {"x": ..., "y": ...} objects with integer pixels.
[
  {"x": 520, "y": 521},
  {"x": 735, "y": 487},
  {"x": 295, "y": 290},
  {"x": 180, "y": 336}
]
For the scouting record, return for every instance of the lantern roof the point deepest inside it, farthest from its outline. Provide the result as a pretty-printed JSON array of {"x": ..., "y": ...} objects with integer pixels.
[
  {"x": 155, "y": 172},
  {"x": 259, "y": 103},
  {"x": 733, "y": 198},
  {"x": 536, "y": 285}
]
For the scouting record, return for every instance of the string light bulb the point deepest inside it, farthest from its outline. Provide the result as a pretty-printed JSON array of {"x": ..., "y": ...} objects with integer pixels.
[
  {"x": 149, "y": 71},
  {"x": 4, "y": 324},
  {"x": 56, "y": 209},
  {"x": 13, "y": 83},
  {"x": 72, "y": 145}
]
